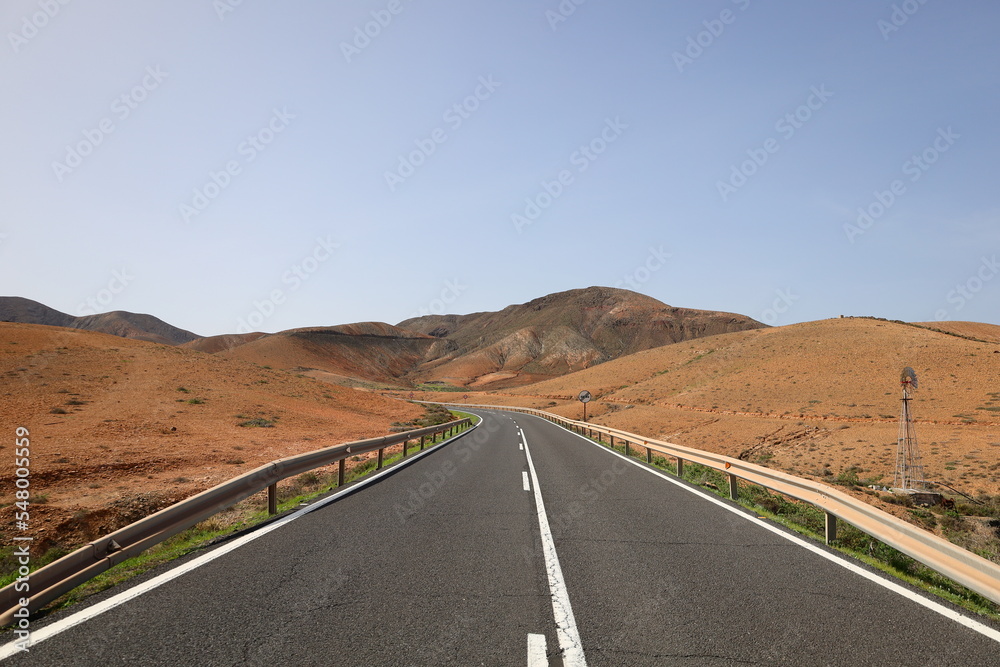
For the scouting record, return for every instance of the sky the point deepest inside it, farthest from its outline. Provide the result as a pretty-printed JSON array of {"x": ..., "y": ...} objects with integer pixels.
[{"x": 236, "y": 165}]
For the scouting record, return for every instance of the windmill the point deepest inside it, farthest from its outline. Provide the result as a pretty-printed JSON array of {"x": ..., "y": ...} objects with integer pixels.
[{"x": 909, "y": 469}]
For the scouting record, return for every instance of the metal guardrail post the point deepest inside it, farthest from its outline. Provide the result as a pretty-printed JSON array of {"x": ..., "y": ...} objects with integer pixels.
[
  {"x": 340, "y": 473},
  {"x": 649, "y": 455},
  {"x": 626, "y": 448},
  {"x": 272, "y": 499},
  {"x": 680, "y": 467},
  {"x": 381, "y": 454},
  {"x": 734, "y": 487},
  {"x": 831, "y": 528},
  {"x": 421, "y": 443},
  {"x": 612, "y": 445},
  {"x": 405, "y": 443}
]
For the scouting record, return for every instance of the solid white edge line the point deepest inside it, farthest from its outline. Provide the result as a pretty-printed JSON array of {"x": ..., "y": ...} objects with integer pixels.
[
  {"x": 524, "y": 480},
  {"x": 93, "y": 611},
  {"x": 933, "y": 605},
  {"x": 566, "y": 630},
  {"x": 537, "y": 650}
]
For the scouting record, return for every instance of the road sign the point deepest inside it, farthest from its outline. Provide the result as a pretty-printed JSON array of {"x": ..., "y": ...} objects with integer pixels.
[{"x": 585, "y": 396}]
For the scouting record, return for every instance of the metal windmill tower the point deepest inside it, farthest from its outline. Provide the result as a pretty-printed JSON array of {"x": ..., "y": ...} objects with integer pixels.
[{"x": 909, "y": 469}]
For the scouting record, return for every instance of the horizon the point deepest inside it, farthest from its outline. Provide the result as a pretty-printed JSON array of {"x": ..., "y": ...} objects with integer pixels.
[
  {"x": 385, "y": 159},
  {"x": 245, "y": 328}
]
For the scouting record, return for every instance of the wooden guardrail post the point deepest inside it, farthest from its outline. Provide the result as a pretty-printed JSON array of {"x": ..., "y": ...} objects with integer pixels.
[
  {"x": 831, "y": 528},
  {"x": 340, "y": 472},
  {"x": 272, "y": 499}
]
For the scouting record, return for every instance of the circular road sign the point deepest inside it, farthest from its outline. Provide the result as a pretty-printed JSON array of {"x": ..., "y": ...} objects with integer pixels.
[{"x": 584, "y": 396}]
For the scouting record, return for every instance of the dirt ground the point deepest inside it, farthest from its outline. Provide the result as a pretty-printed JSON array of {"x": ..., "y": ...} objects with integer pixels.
[
  {"x": 121, "y": 428},
  {"x": 815, "y": 399}
]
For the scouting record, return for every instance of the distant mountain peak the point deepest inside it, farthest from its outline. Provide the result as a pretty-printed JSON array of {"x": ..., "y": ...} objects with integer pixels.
[{"x": 116, "y": 323}]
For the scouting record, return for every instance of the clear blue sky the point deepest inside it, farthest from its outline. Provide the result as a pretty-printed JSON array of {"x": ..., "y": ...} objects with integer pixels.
[{"x": 711, "y": 154}]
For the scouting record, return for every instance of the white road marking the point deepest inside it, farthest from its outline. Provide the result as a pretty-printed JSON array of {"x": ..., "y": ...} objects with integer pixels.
[
  {"x": 93, "y": 611},
  {"x": 566, "y": 630},
  {"x": 520, "y": 446},
  {"x": 961, "y": 619},
  {"x": 524, "y": 480},
  {"x": 537, "y": 651}
]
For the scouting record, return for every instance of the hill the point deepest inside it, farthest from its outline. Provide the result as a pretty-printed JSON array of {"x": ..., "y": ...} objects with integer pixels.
[
  {"x": 222, "y": 343},
  {"x": 120, "y": 428},
  {"x": 545, "y": 338},
  {"x": 118, "y": 323},
  {"x": 818, "y": 399},
  {"x": 558, "y": 334},
  {"x": 986, "y": 332},
  {"x": 369, "y": 350}
]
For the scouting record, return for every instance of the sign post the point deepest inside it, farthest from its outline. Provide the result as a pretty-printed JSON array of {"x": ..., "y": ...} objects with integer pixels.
[{"x": 584, "y": 398}]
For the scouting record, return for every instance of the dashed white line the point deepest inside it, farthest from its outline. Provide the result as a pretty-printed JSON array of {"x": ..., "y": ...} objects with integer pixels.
[
  {"x": 524, "y": 481},
  {"x": 566, "y": 630},
  {"x": 537, "y": 651}
]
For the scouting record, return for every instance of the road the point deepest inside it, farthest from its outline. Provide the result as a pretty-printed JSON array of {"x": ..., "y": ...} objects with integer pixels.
[{"x": 452, "y": 560}]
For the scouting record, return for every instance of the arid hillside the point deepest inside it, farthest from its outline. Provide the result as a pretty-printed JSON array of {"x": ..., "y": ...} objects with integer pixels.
[
  {"x": 369, "y": 350},
  {"x": 118, "y": 323},
  {"x": 120, "y": 428},
  {"x": 539, "y": 340},
  {"x": 987, "y": 332},
  {"x": 558, "y": 334},
  {"x": 816, "y": 399}
]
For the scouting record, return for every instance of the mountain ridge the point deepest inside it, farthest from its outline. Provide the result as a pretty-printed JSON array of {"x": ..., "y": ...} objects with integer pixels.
[{"x": 136, "y": 326}]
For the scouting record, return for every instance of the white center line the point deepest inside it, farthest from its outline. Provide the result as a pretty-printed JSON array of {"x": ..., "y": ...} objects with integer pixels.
[
  {"x": 537, "y": 651},
  {"x": 524, "y": 481},
  {"x": 566, "y": 630}
]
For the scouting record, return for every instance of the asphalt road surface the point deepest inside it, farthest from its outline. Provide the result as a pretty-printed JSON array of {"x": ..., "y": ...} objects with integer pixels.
[{"x": 452, "y": 560}]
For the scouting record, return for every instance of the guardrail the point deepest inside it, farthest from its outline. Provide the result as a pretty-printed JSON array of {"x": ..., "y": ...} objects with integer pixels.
[
  {"x": 61, "y": 576},
  {"x": 951, "y": 560}
]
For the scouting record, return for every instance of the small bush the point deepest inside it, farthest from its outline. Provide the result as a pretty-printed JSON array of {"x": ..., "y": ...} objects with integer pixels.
[{"x": 258, "y": 422}]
